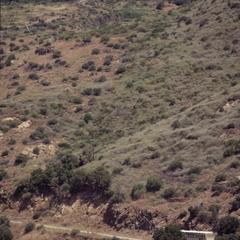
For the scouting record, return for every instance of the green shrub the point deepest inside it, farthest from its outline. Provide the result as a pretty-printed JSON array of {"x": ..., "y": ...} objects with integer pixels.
[
  {"x": 56, "y": 54},
  {"x": 4, "y": 221},
  {"x": 120, "y": 70},
  {"x": 9, "y": 59},
  {"x": 234, "y": 164},
  {"x": 88, "y": 117},
  {"x": 97, "y": 91},
  {"x": 98, "y": 180},
  {"x": 169, "y": 193},
  {"x": 235, "y": 205},
  {"x": 3, "y": 174},
  {"x": 33, "y": 76},
  {"x": 227, "y": 225},
  {"x": 86, "y": 39},
  {"x": 104, "y": 39},
  {"x": 170, "y": 232},
  {"x": 174, "y": 166},
  {"x": 118, "y": 197},
  {"x": 5, "y": 233},
  {"x": 160, "y": 5},
  {"x": 137, "y": 191},
  {"x": 21, "y": 159},
  {"x": 39, "y": 181},
  {"x": 108, "y": 60},
  {"x": 29, "y": 227},
  {"x": 153, "y": 185},
  {"x": 232, "y": 147},
  {"x": 39, "y": 134},
  {"x": 95, "y": 51},
  {"x": 228, "y": 237},
  {"x": 194, "y": 170},
  {"x": 220, "y": 177},
  {"x": 74, "y": 232}
]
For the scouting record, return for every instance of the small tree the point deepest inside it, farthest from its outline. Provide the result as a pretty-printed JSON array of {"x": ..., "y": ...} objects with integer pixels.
[
  {"x": 5, "y": 233},
  {"x": 170, "y": 232},
  {"x": 227, "y": 225}
]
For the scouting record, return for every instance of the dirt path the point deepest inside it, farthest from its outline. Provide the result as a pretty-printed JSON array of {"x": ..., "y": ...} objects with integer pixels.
[{"x": 81, "y": 232}]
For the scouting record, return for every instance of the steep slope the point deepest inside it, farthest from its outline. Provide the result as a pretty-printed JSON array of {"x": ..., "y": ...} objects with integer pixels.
[{"x": 149, "y": 95}]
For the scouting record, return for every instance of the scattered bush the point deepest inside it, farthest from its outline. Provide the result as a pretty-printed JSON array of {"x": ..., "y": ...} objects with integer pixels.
[{"x": 153, "y": 185}]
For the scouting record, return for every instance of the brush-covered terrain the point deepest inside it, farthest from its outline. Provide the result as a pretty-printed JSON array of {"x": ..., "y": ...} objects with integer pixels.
[{"x": 120, "y": 115}]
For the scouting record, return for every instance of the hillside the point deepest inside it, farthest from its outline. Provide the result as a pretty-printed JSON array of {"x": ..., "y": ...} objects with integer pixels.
[{"x": 121, "y": 112}]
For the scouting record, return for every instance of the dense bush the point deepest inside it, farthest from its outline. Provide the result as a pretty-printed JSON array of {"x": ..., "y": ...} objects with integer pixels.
[
  {"x": 170, "y": 232},
  {"x": 228, "y": 237},
  {"x": 227, "y": 225},
  {"x": 96, "y": 180},
  {"x": 5, "y": 232},
  {"x": 153, "y": 184}
]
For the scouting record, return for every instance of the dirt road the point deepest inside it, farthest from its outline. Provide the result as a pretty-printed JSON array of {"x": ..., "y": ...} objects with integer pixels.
[{"x": 81, "y": 232}]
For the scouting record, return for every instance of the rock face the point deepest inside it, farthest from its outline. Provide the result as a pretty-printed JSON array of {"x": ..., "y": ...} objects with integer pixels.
[{"x": 130, "y": 217}]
